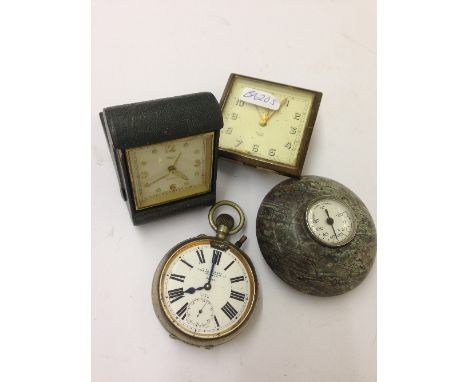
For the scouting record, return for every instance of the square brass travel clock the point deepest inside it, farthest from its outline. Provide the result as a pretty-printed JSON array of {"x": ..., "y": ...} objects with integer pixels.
[
  {"x": 267, "y": 124},
  {"x": 165, "y": 153}
]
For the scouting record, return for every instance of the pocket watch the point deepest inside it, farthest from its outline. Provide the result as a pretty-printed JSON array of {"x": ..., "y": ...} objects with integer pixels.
[
  {"x": 165, "y": 153},
  {"x": 267, "y": 124},
  {"x": 316, "y": 235},
  {"x": 205, "y": 288}
]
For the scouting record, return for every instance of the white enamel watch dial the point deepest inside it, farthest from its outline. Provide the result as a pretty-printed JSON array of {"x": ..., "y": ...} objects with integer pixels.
[
  {"x": 331, "y": 222},
  {"x": 205, "y": 291}
]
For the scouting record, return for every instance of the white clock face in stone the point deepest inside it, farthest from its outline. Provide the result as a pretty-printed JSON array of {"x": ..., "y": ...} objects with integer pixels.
[
  {"x": 331, "y": 222},
  {"x": 201, "y": 306}
]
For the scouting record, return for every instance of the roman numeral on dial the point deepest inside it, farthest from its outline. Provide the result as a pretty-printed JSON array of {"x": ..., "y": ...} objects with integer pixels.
[
  {"x": 177, "y": 277},
  {"x": 201, "y": 256},
  {"x": 216, "y": 320},
  {"x": 186, "y": 263},
  {"x": 182, "y": 311},
  {"x": 237, "y": 295},
  {"x": 216, "y": 256},
  {"x": 229, "y": 310},
  {"x": 175, "y": 294},
  {"x": 237, "y": 279}
]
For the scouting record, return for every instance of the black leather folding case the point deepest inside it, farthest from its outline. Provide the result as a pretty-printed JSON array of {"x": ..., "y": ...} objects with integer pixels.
[{"x": 144, "y": 123}]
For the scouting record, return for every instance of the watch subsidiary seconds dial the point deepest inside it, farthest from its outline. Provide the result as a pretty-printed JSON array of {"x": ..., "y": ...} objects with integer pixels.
[
  {"x": 331, "y": 222},
  {"x": 205, "y": 289},
  {"x": 267, "y": 124}
]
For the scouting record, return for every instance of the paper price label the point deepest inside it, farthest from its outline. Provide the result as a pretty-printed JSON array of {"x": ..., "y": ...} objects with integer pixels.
[{"x": 259, "y": 98}]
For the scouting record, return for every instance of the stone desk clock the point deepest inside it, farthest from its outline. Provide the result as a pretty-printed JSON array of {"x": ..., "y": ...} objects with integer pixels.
[
  {"x": 165, "y": 153},
  {"x": 316, "y": 235},
  {"x": 267, "y": 124}
]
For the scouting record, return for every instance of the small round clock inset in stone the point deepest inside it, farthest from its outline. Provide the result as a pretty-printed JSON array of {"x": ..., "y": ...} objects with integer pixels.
[
  {"x": 316, "y": 235},
  {"x": 331, "y": 222}
]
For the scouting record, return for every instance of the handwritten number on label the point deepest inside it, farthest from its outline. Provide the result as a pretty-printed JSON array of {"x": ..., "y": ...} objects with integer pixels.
[{"x": 259, "y": 98}]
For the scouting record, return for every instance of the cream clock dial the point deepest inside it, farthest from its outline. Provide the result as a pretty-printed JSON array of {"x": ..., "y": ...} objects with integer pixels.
[
  {"x": 272, "y": 132},
  {"x": 331, "y": 222},
  {"x": 171, "y": 170},
  {"x": 205, "y": 291}
]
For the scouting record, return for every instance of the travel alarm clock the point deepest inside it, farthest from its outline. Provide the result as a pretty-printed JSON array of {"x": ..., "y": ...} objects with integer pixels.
[
  {"x": 165, "y": 153},
  {"x": 267, "y": 124}
]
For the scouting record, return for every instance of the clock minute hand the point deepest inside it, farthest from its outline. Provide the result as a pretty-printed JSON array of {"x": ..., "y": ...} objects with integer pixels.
[
  {"x": 177, "y": 159},
  {"x": 207, "y": 285},
  {"x": 147, "y": 184},
  {"x": 211, "y": 273},
  {"x": 330, "y": 221}
]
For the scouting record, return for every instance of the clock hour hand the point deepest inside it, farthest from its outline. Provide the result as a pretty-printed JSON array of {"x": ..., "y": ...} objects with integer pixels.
[
  {"x": 179, "y": 174},
  {"x": 173, "y": 170},
  {"x": 265, "y": 117},
  {"x": 192, "y": 290}
]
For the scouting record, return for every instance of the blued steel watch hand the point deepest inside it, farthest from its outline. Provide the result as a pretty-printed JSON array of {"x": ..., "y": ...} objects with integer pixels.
[
  {"x": 192, "y": 290},
  {"x": 201, "y": 310},
  {"x": 208, "y": 284},
  {"x": 330, "y": 221}
]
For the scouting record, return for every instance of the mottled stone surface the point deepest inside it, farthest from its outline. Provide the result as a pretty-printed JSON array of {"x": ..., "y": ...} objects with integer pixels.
[{"x": 295, "y": 256}]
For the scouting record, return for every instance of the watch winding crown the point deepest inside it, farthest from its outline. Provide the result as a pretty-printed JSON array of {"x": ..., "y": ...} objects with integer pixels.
[
  {"x": 225, "y": 220},
  {"x": 224, "y": 223}
]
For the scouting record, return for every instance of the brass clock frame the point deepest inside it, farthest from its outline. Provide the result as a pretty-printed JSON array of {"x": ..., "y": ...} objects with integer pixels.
[
  {"x": 139, "y": 205},
  {"x": 250, "y": 160}
]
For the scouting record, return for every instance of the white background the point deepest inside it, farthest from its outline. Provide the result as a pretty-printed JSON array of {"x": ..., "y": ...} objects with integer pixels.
[
  {"x": 45, "y": 275},
  {"x": 144, "y": 50}
]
